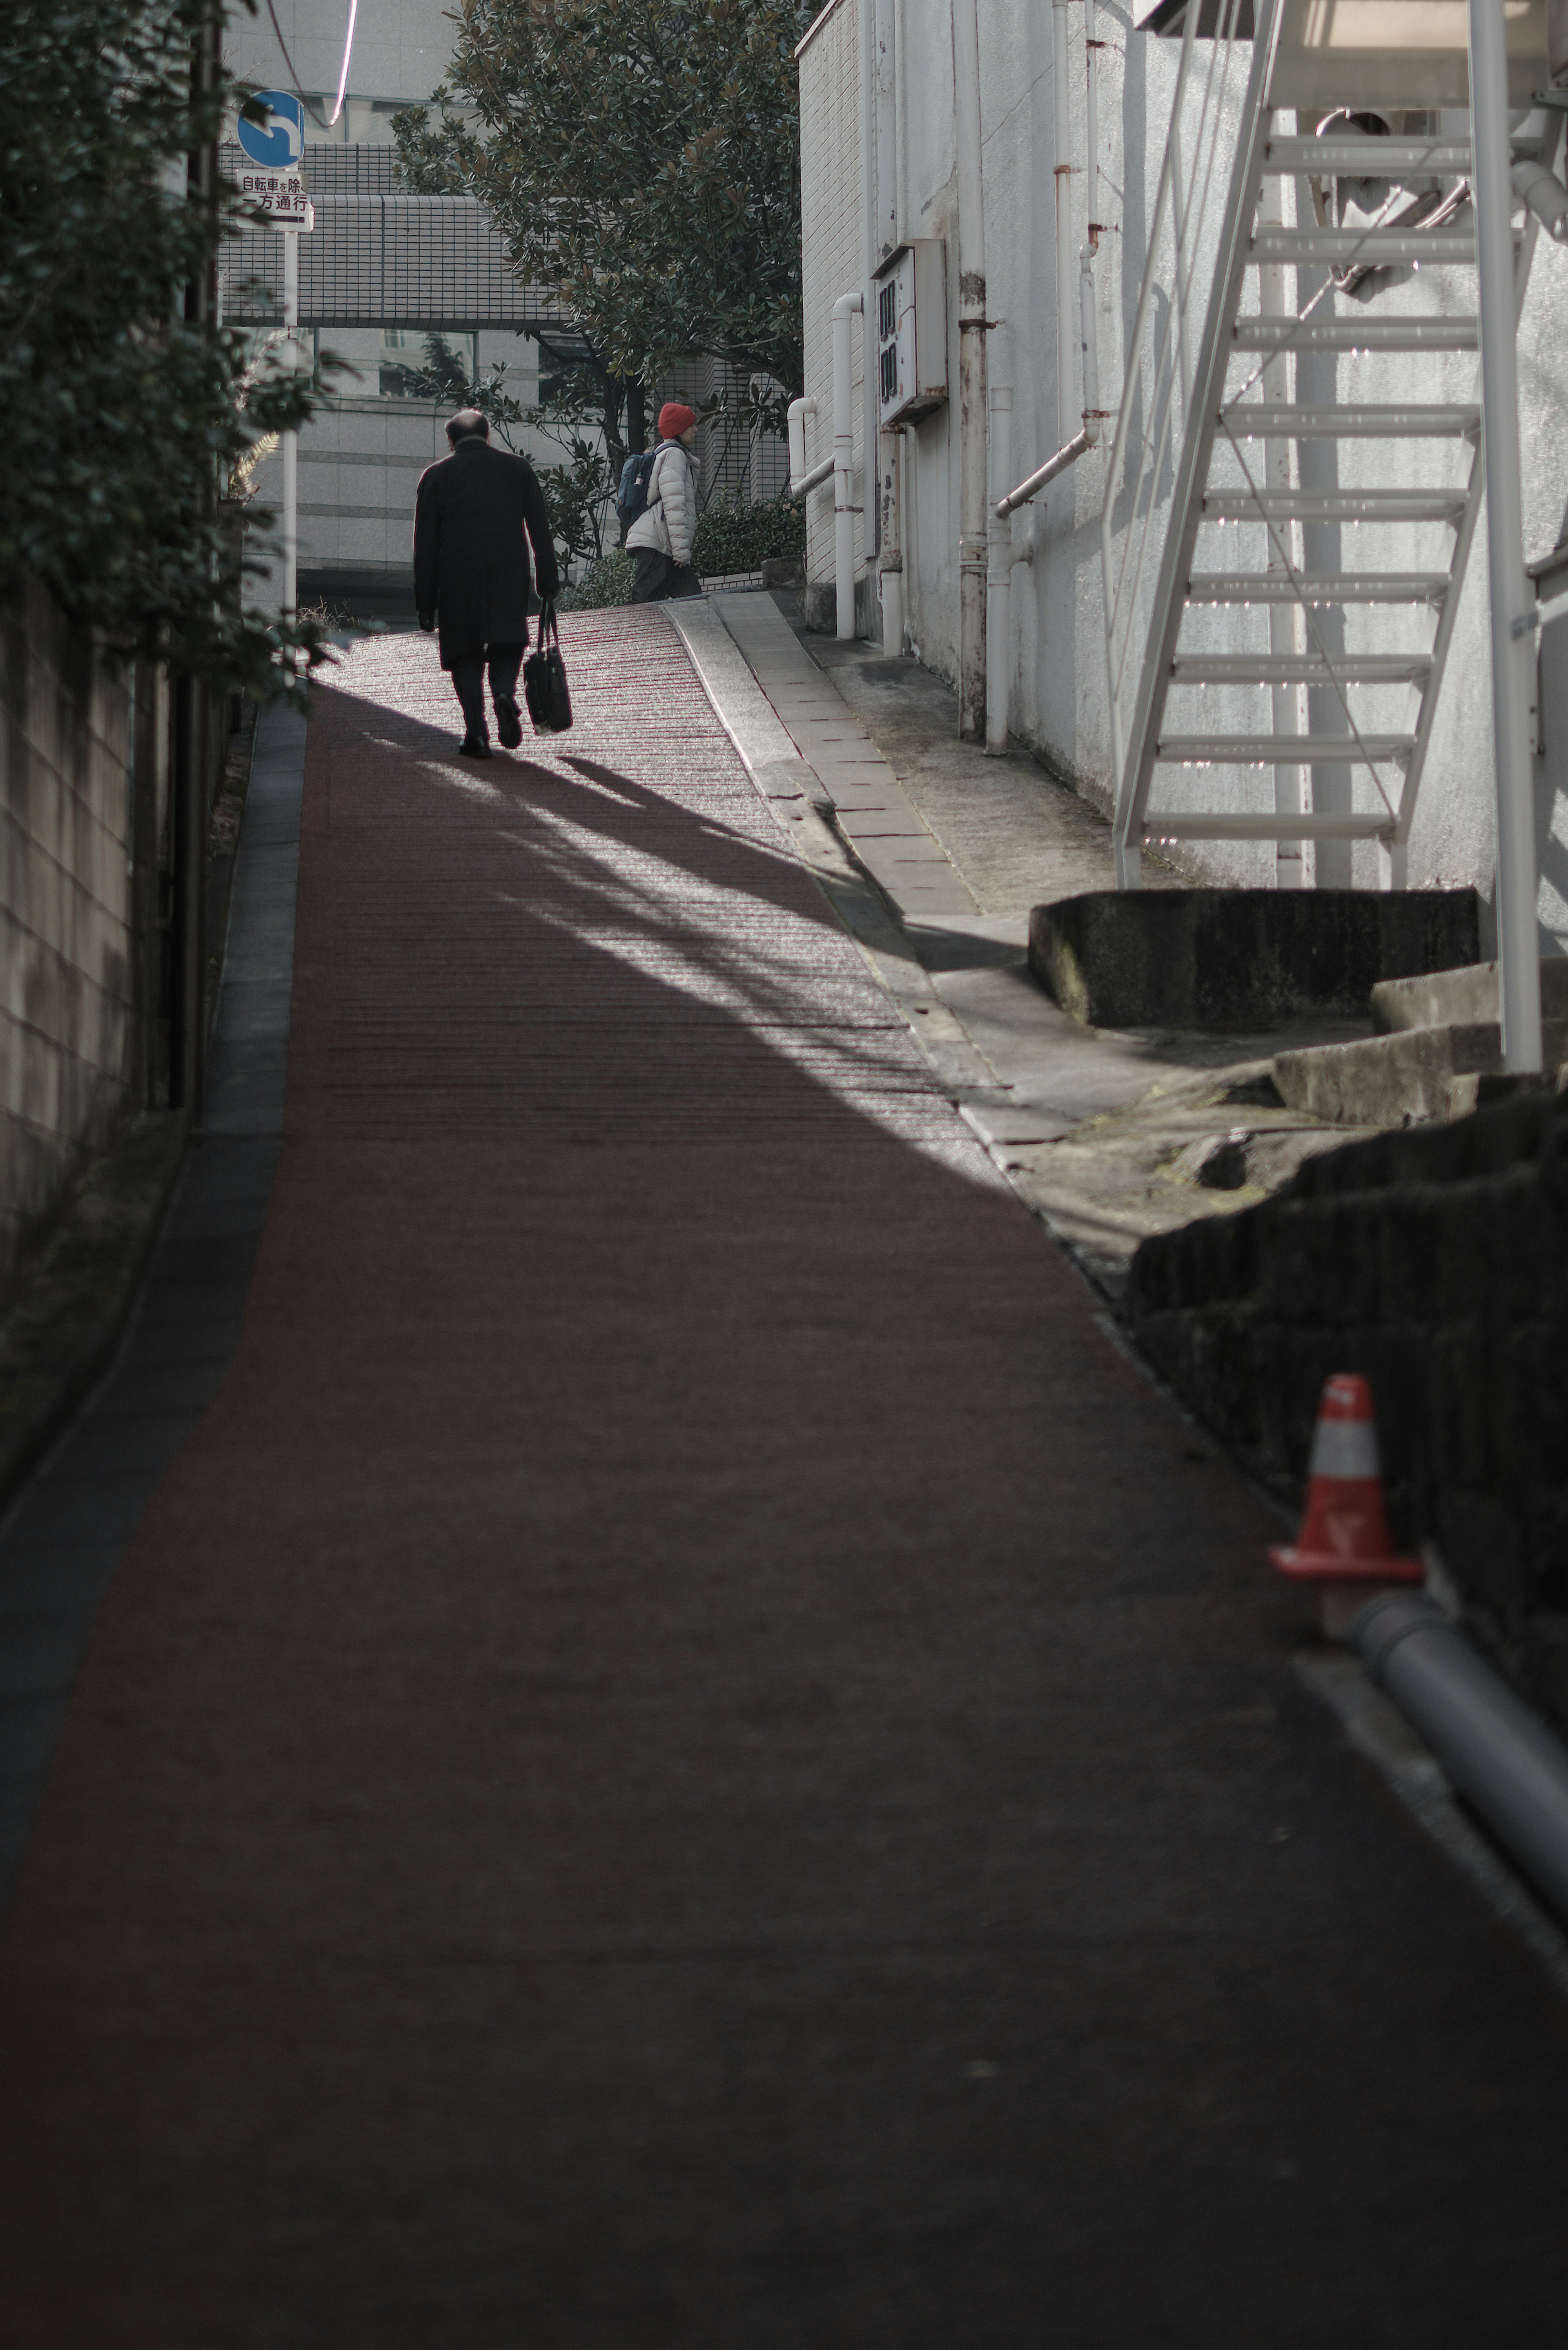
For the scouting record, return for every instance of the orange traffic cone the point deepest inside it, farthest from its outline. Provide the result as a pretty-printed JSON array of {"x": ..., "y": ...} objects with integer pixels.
[{"x": 1344, "y": 1545}]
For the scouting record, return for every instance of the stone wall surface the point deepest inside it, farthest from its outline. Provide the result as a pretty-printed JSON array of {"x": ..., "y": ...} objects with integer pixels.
[
  {"x": 67, "y": 1025},
  {"x": 1435, "y": 1261}
]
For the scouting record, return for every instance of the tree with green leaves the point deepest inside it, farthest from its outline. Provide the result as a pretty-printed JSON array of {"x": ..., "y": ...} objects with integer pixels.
[
  {"x": 121, "y": 405},
  {"x": 578, "y": 491},
  {"x": 643, "y": 165}
]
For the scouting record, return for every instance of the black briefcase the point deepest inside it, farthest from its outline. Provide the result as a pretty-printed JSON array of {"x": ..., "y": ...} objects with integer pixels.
[{"x": 545, "y": 687}]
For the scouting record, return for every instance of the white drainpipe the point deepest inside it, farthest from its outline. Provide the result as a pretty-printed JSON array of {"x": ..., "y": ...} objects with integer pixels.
[
  {"x": 848, "y": 306},
  {"x": 885, "y": 236},
  {"x": 1003, "y": 556},
  {"x": 801, "y": 480},
  {"x": 1062, "y": 124},
  {"x": 892, "y": 554},
  {"x": 973, "y": 531}
]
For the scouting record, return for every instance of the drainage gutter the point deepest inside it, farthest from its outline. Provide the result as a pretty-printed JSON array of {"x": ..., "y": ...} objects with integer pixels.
[{"x": 1498, "y": 1754}]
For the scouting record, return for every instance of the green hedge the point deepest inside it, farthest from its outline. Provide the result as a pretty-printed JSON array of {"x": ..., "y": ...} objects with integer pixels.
[
  {"x": 606, "y": 581},
  {"x": 733, "y": 536}
]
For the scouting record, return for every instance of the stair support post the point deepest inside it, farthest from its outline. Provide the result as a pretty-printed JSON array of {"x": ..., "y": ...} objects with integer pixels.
[
  {"x": 1277, "y": 299},
  {"x": 1513, "y": 616}
]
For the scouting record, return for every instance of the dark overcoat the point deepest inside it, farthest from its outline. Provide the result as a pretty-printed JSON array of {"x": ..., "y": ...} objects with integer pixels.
[{"x": 470, "y": 557}]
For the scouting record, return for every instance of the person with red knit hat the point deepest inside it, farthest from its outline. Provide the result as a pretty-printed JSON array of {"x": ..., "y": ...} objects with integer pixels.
[{"x": 660, "y": 538}]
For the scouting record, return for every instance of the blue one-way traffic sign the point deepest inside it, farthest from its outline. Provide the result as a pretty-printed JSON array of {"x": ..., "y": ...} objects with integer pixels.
[{"x": 278, "y": 143}]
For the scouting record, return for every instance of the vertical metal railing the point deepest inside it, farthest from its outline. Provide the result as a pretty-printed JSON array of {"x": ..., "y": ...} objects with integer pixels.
[{"x": 1152, "y": 422}]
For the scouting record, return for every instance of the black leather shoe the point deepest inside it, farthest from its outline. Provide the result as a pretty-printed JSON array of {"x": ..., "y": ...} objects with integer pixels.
[
  {"x": 472, "y": 747},
  {"x": 509, "y": 724}
]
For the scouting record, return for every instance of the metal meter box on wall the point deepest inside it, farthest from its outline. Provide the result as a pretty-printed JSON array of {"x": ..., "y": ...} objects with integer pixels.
[{"x": 911, "y": 332}]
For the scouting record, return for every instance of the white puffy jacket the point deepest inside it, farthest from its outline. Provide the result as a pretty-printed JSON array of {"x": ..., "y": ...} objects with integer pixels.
[{"x": 670, "y": 518}]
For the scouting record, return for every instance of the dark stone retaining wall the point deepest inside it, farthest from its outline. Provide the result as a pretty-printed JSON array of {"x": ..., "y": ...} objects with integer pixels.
[
  {"x": 1241, "y": 958},
  {"x": 1435, "y": 1261}
]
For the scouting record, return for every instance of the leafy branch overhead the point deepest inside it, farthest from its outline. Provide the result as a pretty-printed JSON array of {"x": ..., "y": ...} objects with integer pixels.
[
  {"x": 642, "y": 165},
  {"x": 118, "y": 415}
]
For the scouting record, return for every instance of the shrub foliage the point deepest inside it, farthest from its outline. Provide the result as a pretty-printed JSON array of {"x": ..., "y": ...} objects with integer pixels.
[
  {"x": 643, "y": 164},
  {"x": 118, "y": 415}
]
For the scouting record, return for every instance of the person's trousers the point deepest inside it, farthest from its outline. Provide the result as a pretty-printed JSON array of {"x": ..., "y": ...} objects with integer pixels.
[
  {"x": 658, "y": 576},
  {"x": 468, "y": 683}
]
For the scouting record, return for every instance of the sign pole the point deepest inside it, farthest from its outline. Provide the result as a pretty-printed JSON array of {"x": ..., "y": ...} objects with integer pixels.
[{"x": 290, "y": 440}]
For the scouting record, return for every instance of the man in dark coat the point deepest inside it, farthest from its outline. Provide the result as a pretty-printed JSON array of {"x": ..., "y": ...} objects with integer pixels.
[{"x": 470, "y": 569}]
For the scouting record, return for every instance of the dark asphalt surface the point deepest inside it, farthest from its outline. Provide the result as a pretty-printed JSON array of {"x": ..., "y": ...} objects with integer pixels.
[{"x": 688, "y": 1756}]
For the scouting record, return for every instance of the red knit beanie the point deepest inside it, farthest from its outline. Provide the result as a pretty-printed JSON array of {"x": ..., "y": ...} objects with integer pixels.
[{"x": 674, "y": 419}]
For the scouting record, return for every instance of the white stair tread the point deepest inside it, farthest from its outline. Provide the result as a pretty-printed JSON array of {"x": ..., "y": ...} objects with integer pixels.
[
  {"x": 1334, "y": 505},
  {"x": 1280, "y": 749},
  {"x": 1300, "y": 668},
  {"x": 1260, "y": 334},
  {"x": 1240, "y": 826},
  {"x": 1320, "y": 587},
  {"x": 1256, "y": 420},
  {"x": 1369, "y": 248},
  {"x": 1428, "y": 158}
]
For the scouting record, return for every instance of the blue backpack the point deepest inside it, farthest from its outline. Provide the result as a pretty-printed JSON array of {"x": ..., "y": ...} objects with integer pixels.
[{"x": 631, "y": 498}]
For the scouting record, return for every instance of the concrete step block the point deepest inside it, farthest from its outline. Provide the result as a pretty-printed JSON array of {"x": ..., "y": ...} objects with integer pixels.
[
  {"x": 1433, "y": 998},
  {"x": 1409, "y": 1075},
  {"x": 1245, "y": 959}
]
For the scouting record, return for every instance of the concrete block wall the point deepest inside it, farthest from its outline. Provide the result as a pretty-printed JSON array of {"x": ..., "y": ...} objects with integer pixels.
[
  {"x": 66, "y": 1013},
  {"x": 1435, "y": 1261}
]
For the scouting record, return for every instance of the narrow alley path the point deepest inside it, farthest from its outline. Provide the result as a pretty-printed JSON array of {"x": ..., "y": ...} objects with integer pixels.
[{"x": 689, "y": 1757}]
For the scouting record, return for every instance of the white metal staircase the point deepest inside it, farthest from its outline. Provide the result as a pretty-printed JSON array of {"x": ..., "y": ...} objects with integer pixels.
[{"x": 1290, "y": 498}]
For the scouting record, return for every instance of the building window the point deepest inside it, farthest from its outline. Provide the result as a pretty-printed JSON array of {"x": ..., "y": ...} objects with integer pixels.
[{"x": 425, "y": 363}]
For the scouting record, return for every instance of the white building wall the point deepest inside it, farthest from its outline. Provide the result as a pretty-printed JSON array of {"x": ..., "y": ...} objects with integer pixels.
[{"x": 1059, "y": 691}]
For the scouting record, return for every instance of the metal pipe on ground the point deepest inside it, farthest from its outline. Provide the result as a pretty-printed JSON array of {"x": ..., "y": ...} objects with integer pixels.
[
  {"x": 973, "y": 531},
  {"x": 848, "y": 306},
  {"x": 1501, "y": 1759}
]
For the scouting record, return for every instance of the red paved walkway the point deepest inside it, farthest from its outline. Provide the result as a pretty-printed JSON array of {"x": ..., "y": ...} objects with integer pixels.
[{"x": 688, "y": 1758}]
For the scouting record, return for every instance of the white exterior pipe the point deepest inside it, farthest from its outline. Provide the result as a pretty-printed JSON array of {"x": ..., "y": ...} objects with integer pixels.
[
  {"x": 1042, "y": 478},
  {"x": 848, "y": 306},
  {"x": 887, "y": 225},
  {"x": 885, "y": 236},
  {"x": 972, "y": 530},
  {"x": 290, "y": 597},
  {"x": 870, "y": 406},
  {"x": 1514, "y": 611},
  {"x": 1067, "y": 407},
  {"x": 998, "y": 579},
  {"x": 1498, "y": 1756},
  {"x": 801, "y": 480},
  {"x": 892, "y": 544},
  {"x": 1546, "y": 196}
]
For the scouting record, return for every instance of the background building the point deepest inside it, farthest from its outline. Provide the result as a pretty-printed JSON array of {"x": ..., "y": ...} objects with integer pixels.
[{"x": 384, "y": 272}]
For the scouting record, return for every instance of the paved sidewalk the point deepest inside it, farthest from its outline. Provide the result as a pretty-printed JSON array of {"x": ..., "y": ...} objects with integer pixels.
[
  {"x": 689, "y": 1755},
  {"x": 1098, "y": 1130}
]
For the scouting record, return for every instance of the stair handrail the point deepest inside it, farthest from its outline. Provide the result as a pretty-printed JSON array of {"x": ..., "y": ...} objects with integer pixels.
[
  {"x": 1172, "y": 209},
  {"x": 1200, "y": 417}
]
